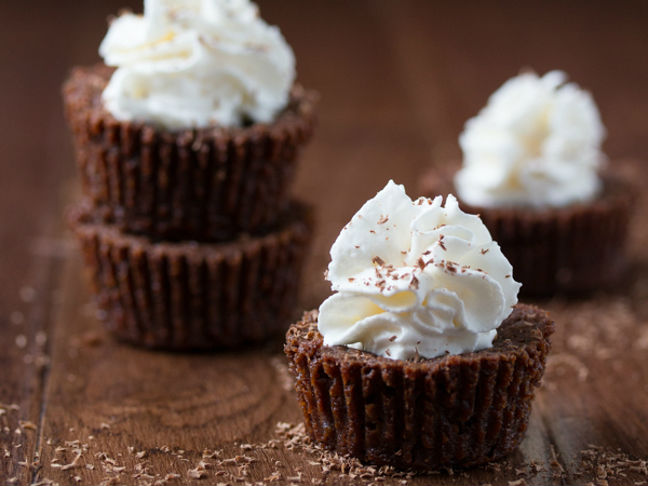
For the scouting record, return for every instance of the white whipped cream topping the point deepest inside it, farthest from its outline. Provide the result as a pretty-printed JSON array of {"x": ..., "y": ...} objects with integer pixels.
[
  {"x": 536, "y": 143},
  {"x": 195, "y": 63},
  {"x": 415, "y": 278}
]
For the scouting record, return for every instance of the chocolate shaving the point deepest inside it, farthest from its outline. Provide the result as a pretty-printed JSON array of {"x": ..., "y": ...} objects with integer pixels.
[
  {"x": 420, "y": 263},
  {"x": 441, "y": 244}
]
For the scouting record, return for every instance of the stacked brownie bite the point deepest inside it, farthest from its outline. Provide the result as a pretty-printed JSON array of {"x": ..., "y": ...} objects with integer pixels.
[{"x": 186, "y": 219}]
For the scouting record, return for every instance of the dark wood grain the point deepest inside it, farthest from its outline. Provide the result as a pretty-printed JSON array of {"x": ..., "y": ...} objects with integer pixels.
[
  {"x": 397, "y": 82},
  {"x": 35, "y": 165}
]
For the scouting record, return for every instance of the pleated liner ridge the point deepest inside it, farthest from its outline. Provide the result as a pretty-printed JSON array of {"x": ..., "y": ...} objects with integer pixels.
[
  {"x": 449, "y": 411},
  {"x": 195, "y": 295},
  {"x": 574, "y": 249},
  {"x": 203, "y": 184}
]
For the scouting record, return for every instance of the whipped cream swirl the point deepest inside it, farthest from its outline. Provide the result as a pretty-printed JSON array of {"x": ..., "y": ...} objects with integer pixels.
[
  {"x": 195, "y": 63},
  {"x": 415, "y": 278},
  {"x": 537, "y": 143}
]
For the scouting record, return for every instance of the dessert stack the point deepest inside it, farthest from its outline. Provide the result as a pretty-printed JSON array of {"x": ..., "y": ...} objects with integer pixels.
[{"x": 187, "y": 140}]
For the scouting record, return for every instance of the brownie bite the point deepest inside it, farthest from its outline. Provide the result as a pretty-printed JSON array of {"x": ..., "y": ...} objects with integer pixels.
[
  {"x": 534, "y": 169},
  {"x": 422, "y": 358},
  {"x": 191, "y": 296},
  {"x": 204, "y": 184}
]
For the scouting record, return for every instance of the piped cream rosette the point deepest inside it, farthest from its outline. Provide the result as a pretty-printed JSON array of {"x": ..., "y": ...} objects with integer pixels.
[{"x": 415, "y": 278}]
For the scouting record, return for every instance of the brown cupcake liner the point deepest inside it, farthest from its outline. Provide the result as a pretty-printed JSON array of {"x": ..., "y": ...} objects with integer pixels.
[
  {"x": 203, "y": 184},
  {"x": 195, "y": 296},
  {"x": 575, "y": 249},
  {"x": 459, "y": 410}
]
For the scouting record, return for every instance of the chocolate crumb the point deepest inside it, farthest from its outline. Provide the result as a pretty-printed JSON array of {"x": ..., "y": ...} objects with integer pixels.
[
  {"x": 197, "y": 473},
  {"x": 518, "y": 482},
  {"x": 27, "y": 294},
  {"x": 17, "y": 318},
  {"x": 207, "y": 454},
  {"x": 21, "y": 341},
  {"x": 27, "y": 425},
  {"x": 91, "y": 339}
]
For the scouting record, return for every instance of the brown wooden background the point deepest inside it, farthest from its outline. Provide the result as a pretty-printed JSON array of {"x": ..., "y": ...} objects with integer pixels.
[{"x": 398, "y": 79}]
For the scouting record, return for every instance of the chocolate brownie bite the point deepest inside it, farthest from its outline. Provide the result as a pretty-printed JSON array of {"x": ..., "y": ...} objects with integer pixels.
[
  {"x": 534, "y": 170},
  {"x": 189, "y": 295},
  {"x": 206, "y": 184},
  {"x": 422, "y": 358}
]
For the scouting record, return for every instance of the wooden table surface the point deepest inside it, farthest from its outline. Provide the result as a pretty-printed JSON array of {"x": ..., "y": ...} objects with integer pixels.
[{"x": 397, "y": 82}]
